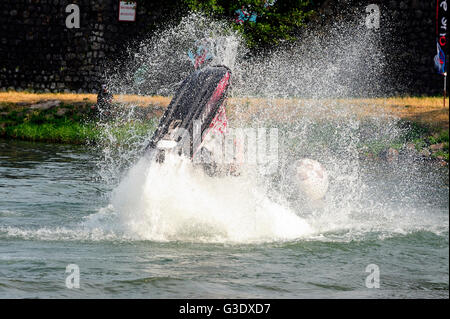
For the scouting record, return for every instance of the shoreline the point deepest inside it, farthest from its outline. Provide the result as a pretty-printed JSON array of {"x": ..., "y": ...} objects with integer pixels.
[{"x": 71, "y": 119}]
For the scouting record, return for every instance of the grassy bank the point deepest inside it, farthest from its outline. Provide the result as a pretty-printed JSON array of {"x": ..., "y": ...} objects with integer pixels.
[
  {"x": 66, "y": 132},
  {"x": 427, "y": 141},
  {"x": 71, "y": 123},
  {"x": 73, "y": 120}
]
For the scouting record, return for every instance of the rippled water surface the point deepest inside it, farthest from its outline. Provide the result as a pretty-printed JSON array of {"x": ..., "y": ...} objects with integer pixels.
[{"x": 133, "y": 241}]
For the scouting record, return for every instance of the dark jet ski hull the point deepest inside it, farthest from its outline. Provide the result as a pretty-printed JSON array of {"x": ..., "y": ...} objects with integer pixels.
[{"x": 196, "y": 102}]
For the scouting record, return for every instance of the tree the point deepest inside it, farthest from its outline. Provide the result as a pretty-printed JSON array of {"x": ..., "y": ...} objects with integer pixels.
[{"x": 263, "y": 23}]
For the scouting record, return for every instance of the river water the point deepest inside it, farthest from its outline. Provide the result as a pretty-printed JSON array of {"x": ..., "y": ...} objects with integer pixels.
[{"x": 138, "y": 240}]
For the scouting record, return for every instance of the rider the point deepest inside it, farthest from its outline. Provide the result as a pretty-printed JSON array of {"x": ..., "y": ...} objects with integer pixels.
[{"x": 210, "y": 153}]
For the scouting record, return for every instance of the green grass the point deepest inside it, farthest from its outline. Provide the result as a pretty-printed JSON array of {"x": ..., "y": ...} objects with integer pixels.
[
  {"x": 77, "y": 133},
  {"x": 443, "y": 154},
  {"x": 368, "y": 138},
  {"x": 441, "y": 137},
  {"x": 34, "y": 125},
  {"x": 73, "y": 133},
  {"x": 77, "y": 126}
]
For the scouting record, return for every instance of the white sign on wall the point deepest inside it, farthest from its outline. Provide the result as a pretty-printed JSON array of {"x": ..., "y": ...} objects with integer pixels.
[{"x": 127, "y": 11}]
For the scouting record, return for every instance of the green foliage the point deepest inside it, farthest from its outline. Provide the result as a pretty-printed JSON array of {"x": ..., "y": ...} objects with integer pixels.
[
  {"x": 73, "y": 127},
  {"x": 419, "y": 143},
  {"x": 413, "y": 130},
  {"x": 74, "y": 133},
  {"x": 132, "y": 132},
  {"x": 443, "y": 137},
  {"x": 273, "y": 24},
  {"x": 443, "y": 154}
]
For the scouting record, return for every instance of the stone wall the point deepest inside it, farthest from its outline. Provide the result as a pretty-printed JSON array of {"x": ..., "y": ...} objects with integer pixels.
[{"x": 38, "y": 52}]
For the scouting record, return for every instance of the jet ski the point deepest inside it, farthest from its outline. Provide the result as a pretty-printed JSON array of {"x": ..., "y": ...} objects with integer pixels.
[{"x": 196, "y": 110}]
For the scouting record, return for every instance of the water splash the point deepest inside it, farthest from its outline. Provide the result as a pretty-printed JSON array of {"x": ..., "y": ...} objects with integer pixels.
[
  {"x": 158, "y": 64},
  {"x": 175, "y": 201}
]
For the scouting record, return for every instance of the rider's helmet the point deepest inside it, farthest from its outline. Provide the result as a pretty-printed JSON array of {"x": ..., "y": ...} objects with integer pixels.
[{"x": 201, "y": 54}]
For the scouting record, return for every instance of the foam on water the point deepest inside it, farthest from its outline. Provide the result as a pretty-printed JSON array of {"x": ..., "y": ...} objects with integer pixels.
[{"x": 176, "y": 202}]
